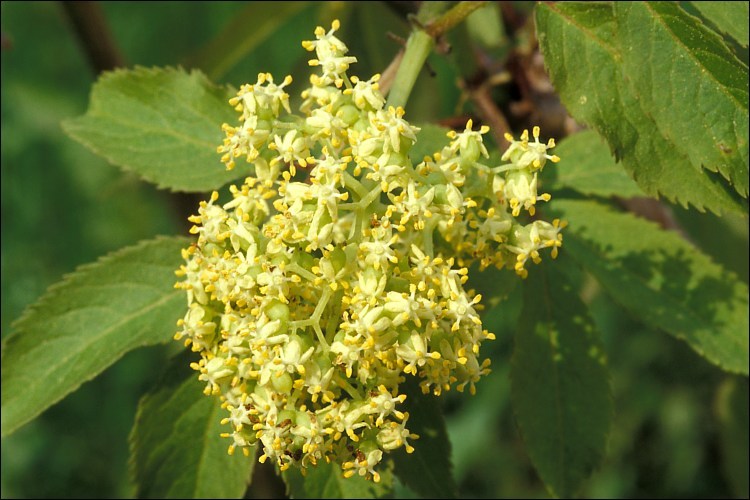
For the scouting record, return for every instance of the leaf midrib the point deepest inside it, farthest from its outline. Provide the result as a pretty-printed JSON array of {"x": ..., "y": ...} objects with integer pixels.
[
  {"x": 51, "y": 367},
  {"x": 145, "y": 128}
]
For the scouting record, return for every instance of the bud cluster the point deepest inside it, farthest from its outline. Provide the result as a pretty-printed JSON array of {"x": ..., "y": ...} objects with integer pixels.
[{"x": 338, "y": 269}]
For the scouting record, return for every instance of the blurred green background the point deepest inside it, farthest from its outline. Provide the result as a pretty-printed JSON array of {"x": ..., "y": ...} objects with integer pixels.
[{"x": 62, "y": 207}]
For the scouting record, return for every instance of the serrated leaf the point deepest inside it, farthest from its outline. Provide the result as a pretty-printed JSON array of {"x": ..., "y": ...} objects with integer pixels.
[
  {"x": 164, "y": 124},
  {"x": 430, "y": 139},
  {"x": 661, "y": 279},
  {"x": 86, "y": 322},
  {"x": 326, "y": 480},
  {"x": 242, "y": 35},
  {"x": 560, "y": 383},
  {"x": 587, "y": 166},
  {"x": 732, "y": 413},
  {"x": 576, "y": 35},
  {"x": 428, "y": 470},
  {"x": 176, "y": 450},
  {"x": 729, "y": 17},
  {"x": 690, "y": 82}
]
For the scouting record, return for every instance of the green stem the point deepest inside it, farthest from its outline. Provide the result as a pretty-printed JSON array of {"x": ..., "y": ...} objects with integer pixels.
[
  {"x": 420, "y": 44},
  {"x": 296, "y": 268},
  {"x": 430, "y": 11},
  {"x": 344, "y": 384},
  {"x": 334, "y": 320},
  {"x": 418, "y": 47},
  {"x": 450, "y": 19},
  {"x": 370, "y": 197},
  {"x": 427, "y": 234},
  {"x": 352, "y": 183}
]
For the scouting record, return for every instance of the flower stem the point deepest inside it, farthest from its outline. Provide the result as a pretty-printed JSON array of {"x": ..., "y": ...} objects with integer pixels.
[
  {"x": 418, "y": 47},
  {"x": 430, "y": 11},
  {"x": 420, "y": 44},
  {"x": 450, "y": 19}
]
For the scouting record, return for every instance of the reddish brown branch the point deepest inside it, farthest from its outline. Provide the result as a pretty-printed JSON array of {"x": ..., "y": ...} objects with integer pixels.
[{"x": 93, "y": 32}]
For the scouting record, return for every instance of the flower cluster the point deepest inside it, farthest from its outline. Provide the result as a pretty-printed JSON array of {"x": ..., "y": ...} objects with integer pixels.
[{"x": 339, "y": 268}]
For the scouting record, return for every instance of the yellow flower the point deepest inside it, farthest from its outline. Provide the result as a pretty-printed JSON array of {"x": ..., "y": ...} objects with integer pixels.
[{"x": 313, "y": 294}]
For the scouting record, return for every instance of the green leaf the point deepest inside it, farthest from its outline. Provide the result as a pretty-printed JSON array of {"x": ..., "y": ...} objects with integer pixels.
[
  {"x": 176, "y": 450},
  {"x": 86, "y": 322},
  {"x": 587, "y": 166},
  {"x": 485, "y": 28},
  {"x": 428, "y": 470},
  {"x": 163, "y": 124},
  {"x": 430, "y": 139},
  {"x": 560, "y": 383},
  {"x": 583, "y": 35},
  {"x": 661, "y": 279},
  {"x": 326, "y": 480},
  {"x": 729, "y": 17},
  {"x": 242, "y": 35},
  {"x": 471, "y": 426},
  {"x": 732, "y": 412},
  {"x": 474, "y": 426},
  {"x": 690, "y": 82}
]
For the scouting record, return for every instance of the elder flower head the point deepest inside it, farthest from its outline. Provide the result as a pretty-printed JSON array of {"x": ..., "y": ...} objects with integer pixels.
[{"x": 339, "y": 269}]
